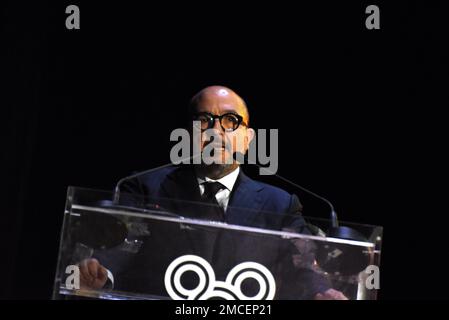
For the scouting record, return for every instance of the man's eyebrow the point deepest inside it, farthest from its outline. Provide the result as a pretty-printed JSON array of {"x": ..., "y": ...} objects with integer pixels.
[{"x": 224, "y": 112}]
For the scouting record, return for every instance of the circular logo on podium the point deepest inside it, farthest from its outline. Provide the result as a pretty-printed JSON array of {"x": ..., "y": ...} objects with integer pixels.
[{"x": 210, "y": 288}]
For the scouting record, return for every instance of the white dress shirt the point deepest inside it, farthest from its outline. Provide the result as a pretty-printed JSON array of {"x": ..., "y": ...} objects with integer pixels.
[{"x": 224, "y": 194}]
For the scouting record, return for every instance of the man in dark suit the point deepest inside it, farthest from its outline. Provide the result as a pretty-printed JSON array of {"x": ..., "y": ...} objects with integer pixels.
[{"x": 228, "y": 195}]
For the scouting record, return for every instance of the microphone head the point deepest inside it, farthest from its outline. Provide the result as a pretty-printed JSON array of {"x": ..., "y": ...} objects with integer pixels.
[{"x": 345, "y": 233}]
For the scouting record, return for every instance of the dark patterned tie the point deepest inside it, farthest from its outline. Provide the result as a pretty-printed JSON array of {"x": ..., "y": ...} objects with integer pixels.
[
  {"x": 223, "y": 245},
  {"x": 213, "y": 211}
]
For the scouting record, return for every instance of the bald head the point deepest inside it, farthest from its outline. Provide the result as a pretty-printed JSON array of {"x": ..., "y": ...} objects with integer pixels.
[{"x": 219, "y": 100}]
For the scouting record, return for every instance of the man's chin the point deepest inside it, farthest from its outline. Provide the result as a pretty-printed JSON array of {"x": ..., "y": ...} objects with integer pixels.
[
  {"x": 222, "y": 158},
  {"x": 217, "y": 170},
  {"x": 218, "y": 165}
]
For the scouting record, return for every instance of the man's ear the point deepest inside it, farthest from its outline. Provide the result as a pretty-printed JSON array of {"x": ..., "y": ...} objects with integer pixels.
[{"x": 250, "y": 134}]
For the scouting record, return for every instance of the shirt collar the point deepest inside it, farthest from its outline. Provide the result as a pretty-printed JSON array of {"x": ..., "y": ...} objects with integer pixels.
[{"x": 228, "y": 180}]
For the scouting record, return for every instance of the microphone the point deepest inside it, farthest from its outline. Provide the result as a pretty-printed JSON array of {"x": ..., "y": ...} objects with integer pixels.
[
  {"x": 334, "y": 230},
  {"x": 116, "y": 197}
]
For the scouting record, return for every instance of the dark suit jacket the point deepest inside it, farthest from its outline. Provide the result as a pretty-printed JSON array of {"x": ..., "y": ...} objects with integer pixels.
[
  {"x": 251, "y": 203},
  {"x": 267, "y": 206}
]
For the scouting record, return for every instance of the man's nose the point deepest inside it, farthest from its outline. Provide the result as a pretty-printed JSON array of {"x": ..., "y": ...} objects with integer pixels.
[{"x": 217, "y": 125}]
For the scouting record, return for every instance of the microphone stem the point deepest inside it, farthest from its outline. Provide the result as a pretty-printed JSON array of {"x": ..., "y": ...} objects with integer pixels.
[{"x": 334, "y": 218}]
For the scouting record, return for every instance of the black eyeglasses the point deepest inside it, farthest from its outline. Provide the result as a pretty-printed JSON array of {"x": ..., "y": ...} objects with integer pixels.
[{"x": 228, "y": 121}]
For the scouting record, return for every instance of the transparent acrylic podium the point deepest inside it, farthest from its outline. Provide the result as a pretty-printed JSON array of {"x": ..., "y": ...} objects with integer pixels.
[{"x": 170, "y": 249}]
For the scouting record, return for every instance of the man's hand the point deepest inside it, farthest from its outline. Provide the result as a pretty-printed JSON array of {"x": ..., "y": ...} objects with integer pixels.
[
  {"x": 93, "y": 275},
  {"x": 331, "y": 294}
]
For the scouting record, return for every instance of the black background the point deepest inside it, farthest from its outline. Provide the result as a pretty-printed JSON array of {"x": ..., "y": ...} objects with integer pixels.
[{"x": 359, "y": 113}]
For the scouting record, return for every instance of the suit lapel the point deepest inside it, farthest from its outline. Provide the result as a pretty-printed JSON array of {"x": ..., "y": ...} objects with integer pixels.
[
  {"x": 245, "y": 201},
  {"x": 181, "y": 184}
]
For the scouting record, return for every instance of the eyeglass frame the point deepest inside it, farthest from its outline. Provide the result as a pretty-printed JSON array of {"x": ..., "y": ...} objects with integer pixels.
[{"x": 212, "y": 118}]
